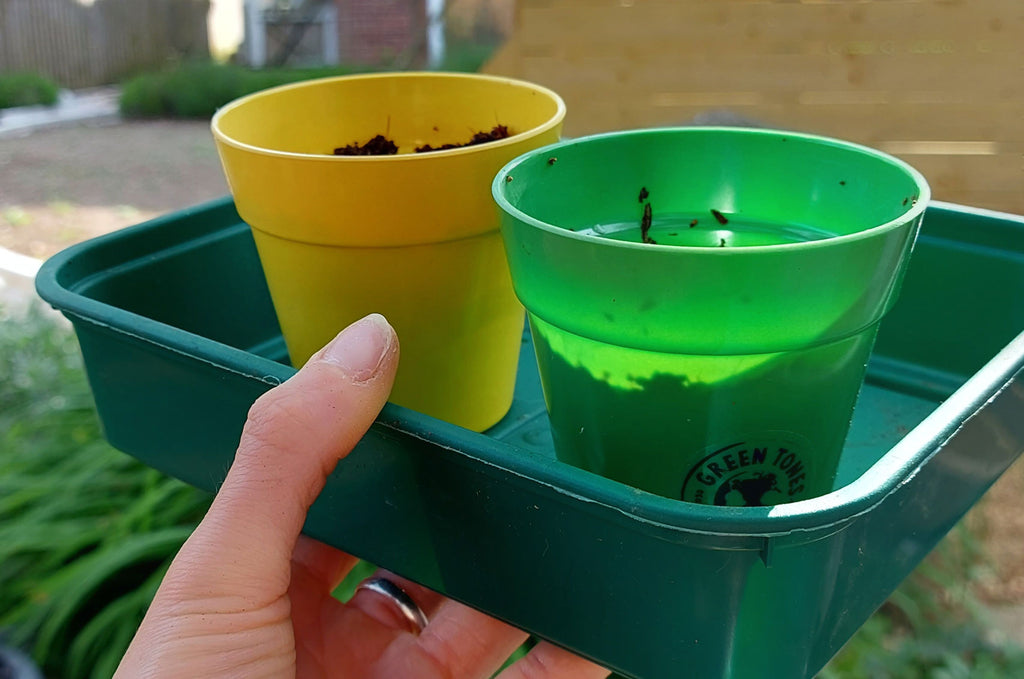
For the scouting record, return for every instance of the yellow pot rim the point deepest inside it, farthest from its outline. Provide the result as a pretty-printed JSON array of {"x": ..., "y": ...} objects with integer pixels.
[{"x": 550, "y": 123}]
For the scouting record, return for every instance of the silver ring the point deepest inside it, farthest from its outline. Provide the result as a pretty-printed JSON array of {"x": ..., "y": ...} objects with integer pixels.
[{"x": 408, "y": 609}]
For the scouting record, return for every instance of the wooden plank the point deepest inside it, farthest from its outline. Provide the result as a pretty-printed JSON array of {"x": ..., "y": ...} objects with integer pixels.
[
  {"x": 941, "y": 82},
  {"x": 949, "y": 122},
  {"x": 961, "y": 122},
  {"x": 789, "y": 27},
  {"x": 587, "y": 4},
  {"x": 962, "y": 175},
  {"x": 988, "y": 74},
  {"x": 669, "y": 91},
  {"x": 82, "y": 45},
  {"x": 867, "y": 125},
  {"x": 846, "y": 125},
  {"x": 12, "y": 21},
  {"x": 948, "y": 47},
  {"x": 67, "y": 28},
  {"x": 1011, "y": 202}
]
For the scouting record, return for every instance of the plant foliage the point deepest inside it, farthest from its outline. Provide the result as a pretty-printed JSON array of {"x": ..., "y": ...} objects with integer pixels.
[
  {"x": 26, "y": 89},
  {"x": 85, "y": 531},
  {"x": 197, "y": 90}
]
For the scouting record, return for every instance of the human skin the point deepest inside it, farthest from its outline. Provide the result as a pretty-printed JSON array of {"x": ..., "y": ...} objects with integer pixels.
[{"x": 249, "y": 596}]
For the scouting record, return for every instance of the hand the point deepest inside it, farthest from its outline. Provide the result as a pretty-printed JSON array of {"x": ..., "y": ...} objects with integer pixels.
[{"x": 248, "y": 596}]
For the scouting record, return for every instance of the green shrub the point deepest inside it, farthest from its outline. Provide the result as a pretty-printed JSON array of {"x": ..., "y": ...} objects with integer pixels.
[
  {"x": 466, "y": 56},
  {"x": 882, "y": 649},
  {"x": 26, "y": 89},
  {"x": 85, "y": 531},
  {"x": 932, "y": 627},
  {"x": 197, "y": 90}
]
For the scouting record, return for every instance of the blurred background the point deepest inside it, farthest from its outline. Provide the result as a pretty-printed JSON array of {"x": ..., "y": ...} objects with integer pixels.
[{"x": 104, "y": 123}]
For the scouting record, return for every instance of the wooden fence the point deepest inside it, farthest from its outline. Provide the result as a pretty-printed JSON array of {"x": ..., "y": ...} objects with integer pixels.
[
  {"x": 82, "y": 43},
  {"x": 937, "y": 82}
]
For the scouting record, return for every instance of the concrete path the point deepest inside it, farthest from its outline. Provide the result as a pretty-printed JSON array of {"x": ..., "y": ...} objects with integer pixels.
[
  {"x": 96, "y": 104},
  {"x": 17, "y": 281}
]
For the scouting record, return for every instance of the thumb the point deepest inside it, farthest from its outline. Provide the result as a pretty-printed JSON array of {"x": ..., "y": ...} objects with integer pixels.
[{"x": 293, "y": 438}]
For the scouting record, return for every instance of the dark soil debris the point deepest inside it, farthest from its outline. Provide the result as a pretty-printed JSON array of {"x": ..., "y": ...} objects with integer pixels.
[
  {"x": 497, "y": 132},
  {"x": 378, "y": 146},
  {"x": 382, "y": 146},
  {"x": 645, "y": 226}
]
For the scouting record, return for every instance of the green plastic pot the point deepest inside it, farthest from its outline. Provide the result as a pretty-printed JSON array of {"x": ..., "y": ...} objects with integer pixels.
[{"x": 703, "y": 301}]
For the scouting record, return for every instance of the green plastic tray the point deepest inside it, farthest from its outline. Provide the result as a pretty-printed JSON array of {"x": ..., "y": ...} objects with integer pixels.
[{"x": 179, "y": 338}]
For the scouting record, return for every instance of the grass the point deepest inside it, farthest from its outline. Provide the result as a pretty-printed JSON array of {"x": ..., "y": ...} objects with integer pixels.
[{"x": 86, "y": 534}]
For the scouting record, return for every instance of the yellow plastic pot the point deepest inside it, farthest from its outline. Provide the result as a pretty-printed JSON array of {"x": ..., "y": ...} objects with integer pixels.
[{"x": 413, "y": 236}]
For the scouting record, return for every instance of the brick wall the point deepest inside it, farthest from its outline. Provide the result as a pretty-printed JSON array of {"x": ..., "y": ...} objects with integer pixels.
[{"x": 378, "y": 31}]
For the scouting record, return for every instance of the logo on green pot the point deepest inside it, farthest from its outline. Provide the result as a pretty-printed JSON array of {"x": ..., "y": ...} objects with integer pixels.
[{"x": 749, "y": 474}]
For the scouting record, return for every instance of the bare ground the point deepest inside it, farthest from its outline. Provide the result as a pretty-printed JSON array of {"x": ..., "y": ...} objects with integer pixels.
[
  {"x": 58, "y": 187},
  {"x": 999, "y": 521},
  {"x": 61, "y": 186}
]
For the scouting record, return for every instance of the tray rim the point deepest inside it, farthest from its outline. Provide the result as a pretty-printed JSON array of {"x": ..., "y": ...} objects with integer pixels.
[{"x": 799, "y": 522}]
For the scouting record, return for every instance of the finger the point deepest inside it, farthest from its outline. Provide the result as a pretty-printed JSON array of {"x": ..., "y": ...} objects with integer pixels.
[
  {"x": 467, "y": 642},
  {"x": 292, "y": 440},
  {"x": 547, "y": 661},
  {"x": 317, "y": 569}
]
